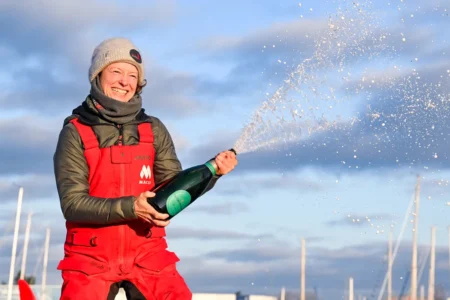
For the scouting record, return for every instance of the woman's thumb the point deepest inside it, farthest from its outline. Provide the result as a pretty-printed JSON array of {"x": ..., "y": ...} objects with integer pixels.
[{"x": 149, "y": 194}]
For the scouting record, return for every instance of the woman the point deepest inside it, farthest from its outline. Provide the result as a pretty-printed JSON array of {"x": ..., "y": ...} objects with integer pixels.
[{"x": 109, "y": 155}]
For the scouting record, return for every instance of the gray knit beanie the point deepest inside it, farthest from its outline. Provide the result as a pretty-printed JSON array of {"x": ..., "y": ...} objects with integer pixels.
[{"x": 116, "y": 50}]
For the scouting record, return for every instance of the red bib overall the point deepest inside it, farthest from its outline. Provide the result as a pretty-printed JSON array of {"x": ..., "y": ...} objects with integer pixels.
[{"x": 97, "y": 256}]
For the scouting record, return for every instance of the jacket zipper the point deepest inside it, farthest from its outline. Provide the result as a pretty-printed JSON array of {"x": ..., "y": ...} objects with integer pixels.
[{"x": 122, "y": 193}]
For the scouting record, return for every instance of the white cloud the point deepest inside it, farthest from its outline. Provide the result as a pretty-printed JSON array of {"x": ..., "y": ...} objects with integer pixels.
[
  {"x": 281, "y": 36},
  {"x": 228, "y": 208},
  {"x": 207, "y": 234},
  {"x": 24, "y": 133}
]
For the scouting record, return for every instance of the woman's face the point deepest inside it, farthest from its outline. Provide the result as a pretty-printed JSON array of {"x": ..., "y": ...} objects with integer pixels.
[{"x": 119, "y": 81}]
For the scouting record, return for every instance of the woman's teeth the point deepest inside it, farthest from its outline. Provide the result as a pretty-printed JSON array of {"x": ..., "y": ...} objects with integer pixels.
[{"x": 123, "y": 92}]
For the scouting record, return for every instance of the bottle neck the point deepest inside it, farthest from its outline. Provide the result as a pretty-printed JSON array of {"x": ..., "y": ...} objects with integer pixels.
[{"x": 212, "y": 166}]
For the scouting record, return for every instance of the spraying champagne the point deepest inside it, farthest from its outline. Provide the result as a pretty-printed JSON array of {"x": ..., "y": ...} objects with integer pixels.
[{"x": 174, "y": 195}]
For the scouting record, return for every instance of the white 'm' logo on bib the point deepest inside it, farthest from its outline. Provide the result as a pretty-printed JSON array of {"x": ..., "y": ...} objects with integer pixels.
[{"x": 145, "y": 173}]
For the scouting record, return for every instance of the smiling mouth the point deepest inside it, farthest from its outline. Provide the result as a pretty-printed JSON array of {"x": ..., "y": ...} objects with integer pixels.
[{"x": 119, "y": 91}]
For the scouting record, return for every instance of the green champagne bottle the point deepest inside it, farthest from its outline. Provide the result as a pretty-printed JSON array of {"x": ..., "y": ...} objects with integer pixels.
[{"x": 174, "y": 195}]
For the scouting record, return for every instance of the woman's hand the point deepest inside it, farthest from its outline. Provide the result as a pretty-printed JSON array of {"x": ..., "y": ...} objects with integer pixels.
[
  {"x": 226, "y": 161},
  {"x": 146, "y": 212}
]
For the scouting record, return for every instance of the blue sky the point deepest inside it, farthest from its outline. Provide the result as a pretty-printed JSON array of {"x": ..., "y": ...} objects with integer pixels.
[{"x": 372, "y": 103}]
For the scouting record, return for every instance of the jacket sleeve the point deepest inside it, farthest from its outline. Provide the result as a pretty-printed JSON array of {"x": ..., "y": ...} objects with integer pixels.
[
  {"x": 71, "y": 174},
  {"x": 166, "y": 163}
]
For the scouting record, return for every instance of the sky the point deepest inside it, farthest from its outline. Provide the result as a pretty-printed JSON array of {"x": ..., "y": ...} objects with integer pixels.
[{"x": 334, "y": 107}]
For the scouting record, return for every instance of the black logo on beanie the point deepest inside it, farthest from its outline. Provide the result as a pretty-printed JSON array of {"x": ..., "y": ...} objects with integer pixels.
[{"x": 136, "y": 55}]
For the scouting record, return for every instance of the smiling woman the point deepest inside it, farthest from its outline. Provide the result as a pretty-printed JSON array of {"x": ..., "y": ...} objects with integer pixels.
[{"x": 110, "y": 155}]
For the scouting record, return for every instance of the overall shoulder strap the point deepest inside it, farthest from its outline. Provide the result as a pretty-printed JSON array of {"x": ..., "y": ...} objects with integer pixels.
[
  {"x": 145, "y": 133},
  {"x": 87, "y": 135}
]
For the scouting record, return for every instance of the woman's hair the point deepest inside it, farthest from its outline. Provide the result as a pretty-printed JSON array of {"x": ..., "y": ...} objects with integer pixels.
[{"x": 140, "y": 87}]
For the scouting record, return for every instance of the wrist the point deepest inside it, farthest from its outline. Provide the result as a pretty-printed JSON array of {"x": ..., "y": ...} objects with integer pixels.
[{"x": 133, "y": 208}]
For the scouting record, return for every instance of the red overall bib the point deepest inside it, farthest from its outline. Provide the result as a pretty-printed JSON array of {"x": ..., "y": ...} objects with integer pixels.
[{"x": 96, "y": 256}]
